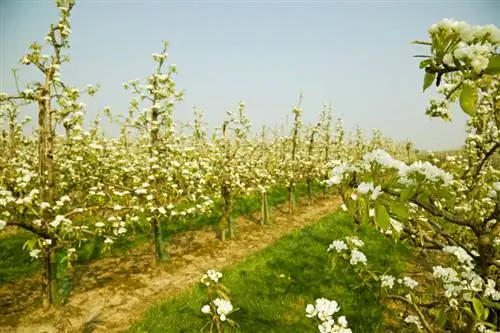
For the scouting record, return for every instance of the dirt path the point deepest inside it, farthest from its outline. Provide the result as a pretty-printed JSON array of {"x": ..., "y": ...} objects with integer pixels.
[{"x": 110, "y": 294}]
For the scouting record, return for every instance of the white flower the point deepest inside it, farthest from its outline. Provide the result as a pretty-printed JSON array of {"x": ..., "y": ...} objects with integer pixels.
[
  {"x": 381, "y": 157},
  {"x": 338, "y": 174},
  {"x": 448, "y": 275},
  {"x": 344, "y": 207},
  {"x": 338, "y": 245},
  {"x": 409, "y": 282},
  {"x": 448, "y": 59},
  {"x": 326, "y": 308},
  {"x": 57, "y": 221},
  {"x": 476, "y": 284},
  {"x": 108, "y": 241},
  {"x": 311, "y": 311},
  {"x": 397, "y": 226},
  {"x": 462, "y": 256},
  {"x": 355, "y": 241},
  {"x": 324, "y": 311},
  {"x": 2, "y": 224},
  {"x": 453, "y": 303},
  {"x": 414, "y": 320},
  {"x": 99, "y": 224},
  {"x": 34, "y": 253},
  {"x": 224, "y": 307},
  {"x": 376, "y": 192},
  {"x": 205, "y": 309},
  {"x": 364, "y": 188},
  {"x": 490, "y": 290},
  {"x": 356, "y": 257},
  {"x": 387, "y": 281},
  {"x": 211, "y": 275},
  {"x": 342, "y": 321},
  {"x": 335, "y": 180}
]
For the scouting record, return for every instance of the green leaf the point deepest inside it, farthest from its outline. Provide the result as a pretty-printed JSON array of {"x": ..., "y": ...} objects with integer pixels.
[
  {"x": 468, "y": 310},
  {"x": 468, "y": 99},
  {"x": 486, "y": 313},
  {"x": 428, "y": 79},
  {"x": 366, "y": 219},
  {"x": 400, "y": 210},
  {"x": 494, "y": 65},
  {"x": 425, "y": 63},
  {"x": 406, "y": 194},
  {"x": 478, "y": 307},
  {"x": 441, "y": 318},
  {"x": 382, "y": 216}
]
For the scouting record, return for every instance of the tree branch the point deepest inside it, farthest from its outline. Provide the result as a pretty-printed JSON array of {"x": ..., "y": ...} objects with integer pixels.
[{"x": 428, "y": 328}]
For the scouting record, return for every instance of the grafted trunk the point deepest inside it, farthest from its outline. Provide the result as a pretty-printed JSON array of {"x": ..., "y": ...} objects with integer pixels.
[
  {"x": 309, "y": 190},
  {"x": 227, "y": 228},
  {"x": 160, "y": 254},
  {"x": 264, "y": 208},
  {"x": 50, "y": 283},
  {"x": 291, "y": 199},
  {"x": 50, "y": 290}
]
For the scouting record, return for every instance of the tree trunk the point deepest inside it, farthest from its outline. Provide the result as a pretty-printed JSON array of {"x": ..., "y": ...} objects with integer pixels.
[
  {"x": 486, "y": 255},
  {"x": 50, "y": 285},
  {"x": 231, "y": 230},
  {"x": 267, "y": 211},
  {"x": 230, "y": 222},
  {"x": 264, "y": 208},
  {"x": 226, "y": 224},
  {"x": 160, "y": 254},
  {"x": 291, "y": 199},
  {"x": 50, "y": 291},
  {"x": 309, "y": 190}
]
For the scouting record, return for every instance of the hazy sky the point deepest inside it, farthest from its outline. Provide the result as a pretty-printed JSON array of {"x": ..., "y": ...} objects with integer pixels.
[{"x": 355, "y": 54}]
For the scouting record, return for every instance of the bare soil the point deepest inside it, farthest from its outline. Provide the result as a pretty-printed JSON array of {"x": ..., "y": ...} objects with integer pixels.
[{"x": 109, "y": 294}]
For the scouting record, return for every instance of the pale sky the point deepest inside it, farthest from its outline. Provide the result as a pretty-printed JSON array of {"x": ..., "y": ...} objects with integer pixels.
[{"x": 355, "y": 54}]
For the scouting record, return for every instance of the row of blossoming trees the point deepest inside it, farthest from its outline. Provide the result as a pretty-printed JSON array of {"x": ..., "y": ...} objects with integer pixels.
[{"x": 68, "y": 184}]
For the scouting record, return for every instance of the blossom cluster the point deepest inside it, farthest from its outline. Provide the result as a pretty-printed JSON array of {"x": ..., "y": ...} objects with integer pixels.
[
  {"x": 324, "y": 310},
  {"x": 220, "y": 307},
  {"x": 352, "y": 244},
  {"x": 476, "y": 44},
  {"x": 463, "y": 283},
  {"x": 211, "y": 276}
]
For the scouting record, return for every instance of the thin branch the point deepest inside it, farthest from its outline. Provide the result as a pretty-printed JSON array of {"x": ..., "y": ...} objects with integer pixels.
[
  {"x": 449, "y": 217},
  {"x": 488, "y": 154},
  {"x": 428, "y": 328}
]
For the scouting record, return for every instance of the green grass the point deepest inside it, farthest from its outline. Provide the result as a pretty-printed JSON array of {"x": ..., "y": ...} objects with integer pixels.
[
  {"x": 16, "y": 263},
  {"x": 269, "y": 303}
]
